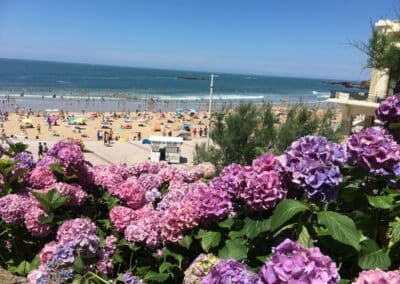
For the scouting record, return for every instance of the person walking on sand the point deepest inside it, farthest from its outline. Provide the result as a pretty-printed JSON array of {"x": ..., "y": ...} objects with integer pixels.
[
  {"x": 105, "y": 137},
  {"x": 45, "y": 148},
  {"x": 40, "y": 150},
  {"x": 38, "y": 128}
]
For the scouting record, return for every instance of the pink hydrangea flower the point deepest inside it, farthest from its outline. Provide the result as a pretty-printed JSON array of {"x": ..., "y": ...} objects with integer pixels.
[
  {"x": 40, "y": 177},
  {"x": 33, "y": 224},
  {"x": 378, "y": 276},
  {"x": 35, "y": 275},
  {"x": 145, "y": 227},
  {"x": 47, "y": 252},
  {"x": 130, "y": 192},
  {"x": 121, "y": 217},
  {"x": 75, "y": 229},
  {"x": 179, "y": 218},
  {"x": 13, "y": 208},
  {"x": 105, "y": 177}
]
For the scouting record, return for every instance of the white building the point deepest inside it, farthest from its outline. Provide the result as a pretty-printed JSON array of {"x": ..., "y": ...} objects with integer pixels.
[{"x": 381, "y": 86}]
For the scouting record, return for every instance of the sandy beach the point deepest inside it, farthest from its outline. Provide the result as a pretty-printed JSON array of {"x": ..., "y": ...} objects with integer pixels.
[{"x": 124, "y": 126}]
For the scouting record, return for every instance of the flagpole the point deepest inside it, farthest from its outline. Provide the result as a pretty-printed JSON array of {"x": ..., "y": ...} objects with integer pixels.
[{"x": 209, "y": 111}]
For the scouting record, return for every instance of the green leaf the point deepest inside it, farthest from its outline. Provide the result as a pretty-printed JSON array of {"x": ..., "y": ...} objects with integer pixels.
[
  {"x": 226, "y": 224},
  {"x": 382, "y": 202},
  {"x": 376, "y": 259},
  {"x": 78, "y": 265},
  {"x": 262, "y": 258},
  {"x": 395, "y": 231},
  {"x": 305, "y": 238},
  {"x": 6, "y": 166},
  {"x": 165, "y": 266},
  {"x": 341, "y": 228},
  {"x": 284, "y": 211},
  {"x": 186, "y": 241},
  {"x": 209, "y": 240},
  {"x": 252, "y": 228},
  {"x": 157, "y": 277},
  {"x": 17, "y": 174},
  {"x": 344, "y": 281},
  {"x": 46, "y": 219},
  {"x": 117, "y": 258},
  {"x": 23, "y": 268},
  {"x": 236, "y": 234},
  {"x": 233, "y": 249},
  {"x": 50, "y": 200}
]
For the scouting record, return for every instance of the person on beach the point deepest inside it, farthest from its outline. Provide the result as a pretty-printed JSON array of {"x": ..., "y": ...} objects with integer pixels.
[
  {"x": 40, "y": 150},
  {"x": 194, "y": 132},
  {"x": 45, "y": 148},
  {"x": 105, "y": 137},
  {"x": 49, "y": 122},
  {"x": 205, "y": 130},
  {"x": 38, "y": 128},
  {"x": 201, "y": 132}
]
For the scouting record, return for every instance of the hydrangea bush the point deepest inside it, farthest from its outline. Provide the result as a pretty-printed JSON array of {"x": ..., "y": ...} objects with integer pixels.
[{"x": 320, "y": 212}]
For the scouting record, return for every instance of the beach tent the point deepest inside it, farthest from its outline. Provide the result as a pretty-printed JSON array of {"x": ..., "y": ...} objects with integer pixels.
[
  {"x": 80, "y": 120},
  {"x": 156, "y": 127},
  {"x": 126, "y": 125},
  {"x": 186, "y": 126},
  {"x": 71, "y": 120},
  {"x": 27, "y": 121}
]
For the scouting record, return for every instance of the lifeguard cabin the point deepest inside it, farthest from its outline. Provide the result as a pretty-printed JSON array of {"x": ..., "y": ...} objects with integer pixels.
[{"x": 165, "y": 149}]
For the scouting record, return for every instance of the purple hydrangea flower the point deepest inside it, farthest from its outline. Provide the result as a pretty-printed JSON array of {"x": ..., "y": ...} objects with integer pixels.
[
  {"x": 212, "y": 203},
  {"x": 129, "y": 278},
  {"x": 375, "y": 150},
  {"x": 25, "y": 160},
  {"x": 71, "y": 155},
  {"x": 230, "y": 271},
  {"x": 293, "y": 263},
  {"x": 312, "y": 164},
  {"x": 389, "y": 109},
  {"x": 229, "y": 180},
  {"x": 105, "y": 263},
  {"x": 82, "y": 231},
  {"x": 149, "y": 181}
]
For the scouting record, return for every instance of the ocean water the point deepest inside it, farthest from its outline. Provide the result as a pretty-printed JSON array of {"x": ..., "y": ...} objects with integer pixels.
[{"x": 39, "y": 78}]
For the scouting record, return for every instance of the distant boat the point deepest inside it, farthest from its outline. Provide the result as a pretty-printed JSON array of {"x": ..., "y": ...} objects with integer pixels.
[{"x": 190, "y": 78}]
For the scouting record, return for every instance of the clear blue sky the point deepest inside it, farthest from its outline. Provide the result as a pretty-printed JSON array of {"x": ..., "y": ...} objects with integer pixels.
[{"x": 305, "y": 38}]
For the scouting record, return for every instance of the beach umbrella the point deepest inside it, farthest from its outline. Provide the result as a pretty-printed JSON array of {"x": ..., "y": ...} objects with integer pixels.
[
  {"x": 27, "y": 121},
  {"x": 179, "y": 110},
  {"x": 193, "y": 110}
]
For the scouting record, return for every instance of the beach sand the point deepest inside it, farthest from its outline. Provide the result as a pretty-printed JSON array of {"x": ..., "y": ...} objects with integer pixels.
[{"x": 157, "y": 123}]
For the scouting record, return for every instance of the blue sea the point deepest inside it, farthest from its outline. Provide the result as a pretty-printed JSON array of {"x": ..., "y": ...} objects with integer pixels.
[{"x": 40, "y": 79}]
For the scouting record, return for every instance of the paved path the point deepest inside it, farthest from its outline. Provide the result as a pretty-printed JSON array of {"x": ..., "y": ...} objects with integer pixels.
[{"x": 128, "y": 152}]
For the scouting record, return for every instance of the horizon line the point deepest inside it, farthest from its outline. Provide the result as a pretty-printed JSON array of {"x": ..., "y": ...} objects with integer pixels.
[{"x": 184, "y": 70}]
